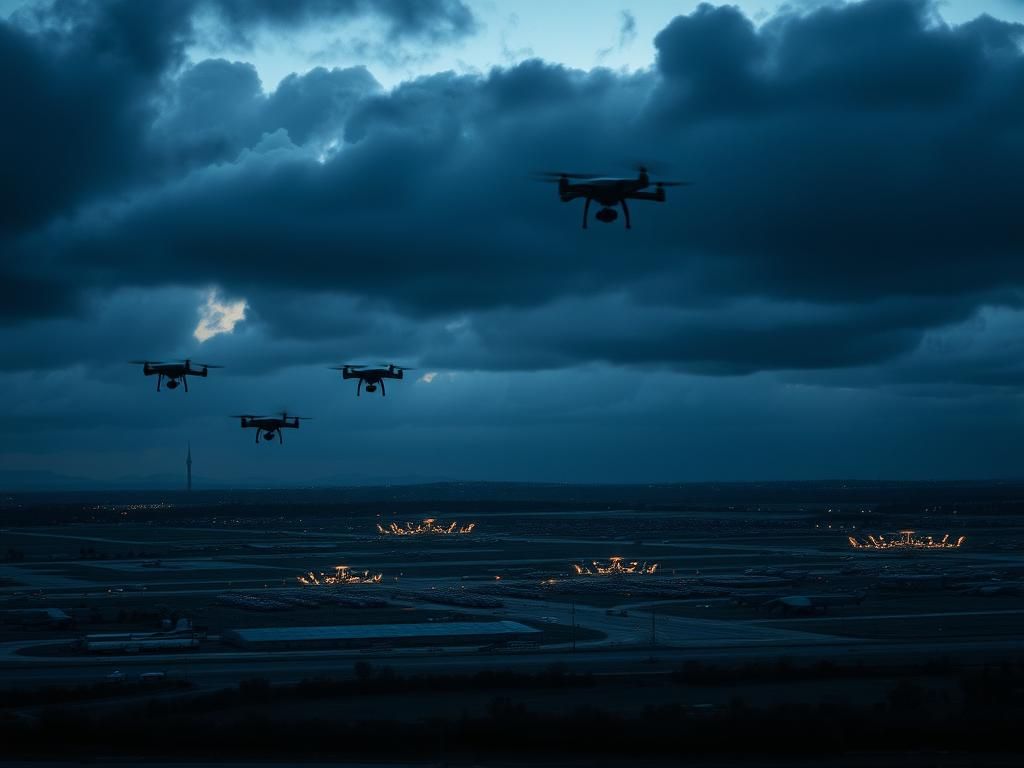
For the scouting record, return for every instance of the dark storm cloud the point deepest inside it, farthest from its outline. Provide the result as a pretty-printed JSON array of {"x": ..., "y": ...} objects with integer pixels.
[
  {"x": 123, "y": 325},
  {"x": 83, "y": 80},
  {"x": 314, "y": 104},
  {"x": 857, "y": 172},
  {"x": 434, "y": 19},
  {"x": 740, "y": 337},
  {"x": 218, "y": 108},
  {"x": 886, "y": 139},
  {"x": 76, "y": 93},
  {"x": 25, "y": 297},
  {"x": 972, "y": 359}
]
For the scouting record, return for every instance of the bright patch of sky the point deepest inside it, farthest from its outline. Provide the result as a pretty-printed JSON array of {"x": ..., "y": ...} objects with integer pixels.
[
  {"x": 218, "y": 316},
  {"x": 618, "y": 34}
]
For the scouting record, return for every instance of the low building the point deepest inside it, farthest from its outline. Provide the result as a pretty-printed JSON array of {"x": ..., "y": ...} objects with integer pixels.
[
  {"x": 96, "y": 644},
  {"x": 366, "y": 635},
  {"x": 135, "y": 642}
]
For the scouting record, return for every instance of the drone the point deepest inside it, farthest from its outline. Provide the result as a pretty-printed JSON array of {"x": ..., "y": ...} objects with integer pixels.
[
  {"x": 173, "y": 371},
  {"x": 372, "y": 377},
  {"x": 608, "y": 191},
  {"x": 270, "y": 427}
]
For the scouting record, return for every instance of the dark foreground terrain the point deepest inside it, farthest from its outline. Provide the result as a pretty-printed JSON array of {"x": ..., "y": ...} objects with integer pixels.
[{"x": 175, "y": 626}]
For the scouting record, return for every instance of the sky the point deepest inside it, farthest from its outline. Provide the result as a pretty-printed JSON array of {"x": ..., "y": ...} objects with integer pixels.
[{"x": 278, "y": 187}]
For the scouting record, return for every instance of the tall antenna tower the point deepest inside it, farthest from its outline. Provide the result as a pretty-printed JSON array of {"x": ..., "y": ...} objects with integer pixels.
[{"x": 188, "y": 465}]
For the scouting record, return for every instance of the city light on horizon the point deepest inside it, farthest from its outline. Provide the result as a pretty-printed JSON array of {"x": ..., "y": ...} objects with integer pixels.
[{"x": 906, "y": 540}]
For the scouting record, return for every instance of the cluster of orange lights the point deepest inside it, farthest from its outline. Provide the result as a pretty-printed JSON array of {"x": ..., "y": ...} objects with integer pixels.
[
  {"x": 430, "y": 526},
  {"x": 615, "y": 567},
  {"x": 906, "y": 540},
  {"x": 342, "y": 575}
]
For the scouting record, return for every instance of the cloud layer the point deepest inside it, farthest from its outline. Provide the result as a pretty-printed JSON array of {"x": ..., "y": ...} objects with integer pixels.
[{"x": 854, "y": 222}]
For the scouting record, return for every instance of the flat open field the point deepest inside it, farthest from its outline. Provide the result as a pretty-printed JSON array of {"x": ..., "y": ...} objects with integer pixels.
[{"x": 723, "y": 576}]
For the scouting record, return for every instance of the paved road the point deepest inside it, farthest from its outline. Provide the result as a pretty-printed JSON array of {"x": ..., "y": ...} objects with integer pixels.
[{"x": 637, "y": 627}]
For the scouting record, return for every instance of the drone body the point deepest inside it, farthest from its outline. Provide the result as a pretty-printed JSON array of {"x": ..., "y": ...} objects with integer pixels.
[
  {"x": 269, "y": 427},
  {"x": 608, "y": 192},
  {"x": 175, "y": 373},
  {"x": 371, "y": 377}
]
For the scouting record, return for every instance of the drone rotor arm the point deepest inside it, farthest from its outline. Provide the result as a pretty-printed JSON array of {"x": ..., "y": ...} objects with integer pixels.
[
  {"x": 655, "y": 196},
  {"x": 555, "y": 176}
]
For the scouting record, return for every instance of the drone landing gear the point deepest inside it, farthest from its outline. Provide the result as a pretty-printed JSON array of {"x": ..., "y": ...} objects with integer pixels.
[
  {"x": 586, "y": 210},
  {"x": 184, "y": 380},
  {"x": 359, "y": 388},
  {"x": 382, "y": 391},
  {"x": 159, "y": 378},
  {"x": 625, "y": 212}
]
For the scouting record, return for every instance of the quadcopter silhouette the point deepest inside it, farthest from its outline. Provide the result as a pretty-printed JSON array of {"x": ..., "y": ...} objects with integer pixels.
[
  {"x": 371, "y": 377},
  {"x": 175, "y": 373},
  {"x": 609, "y": 191},
  {"x": 270, "y": 427}
]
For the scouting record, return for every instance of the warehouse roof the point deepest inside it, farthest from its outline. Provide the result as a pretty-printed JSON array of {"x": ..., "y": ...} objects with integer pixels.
[{"x": 382, "y": 631}]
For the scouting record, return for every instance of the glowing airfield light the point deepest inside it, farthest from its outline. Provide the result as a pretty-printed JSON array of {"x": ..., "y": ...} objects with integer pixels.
[
  {"x": 430, "y": 526},
  {"x": 342, "y": 575},
  {"x": 906, "y": 540},
  {"x": 615, "y": 567}
]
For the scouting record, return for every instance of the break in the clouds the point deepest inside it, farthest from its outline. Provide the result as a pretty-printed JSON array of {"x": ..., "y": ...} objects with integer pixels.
[
  {"x": 217, "y": 316},
  {"x": 856, "y": 198}
]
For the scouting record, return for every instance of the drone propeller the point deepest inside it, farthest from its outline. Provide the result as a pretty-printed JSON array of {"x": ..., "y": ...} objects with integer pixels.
[
  {"x": 657, "y": 166},
  {"x": 349, "y": 366},
  {"x": 397, "y": 367},
  {"x": 555, "y": 176},
  {"x": 189, "y": 361}
]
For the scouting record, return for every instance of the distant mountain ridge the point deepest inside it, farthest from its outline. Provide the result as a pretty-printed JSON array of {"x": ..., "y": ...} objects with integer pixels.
[
  {"x": 45, "y": 480},
  {"x": 995, "y": 495}
]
